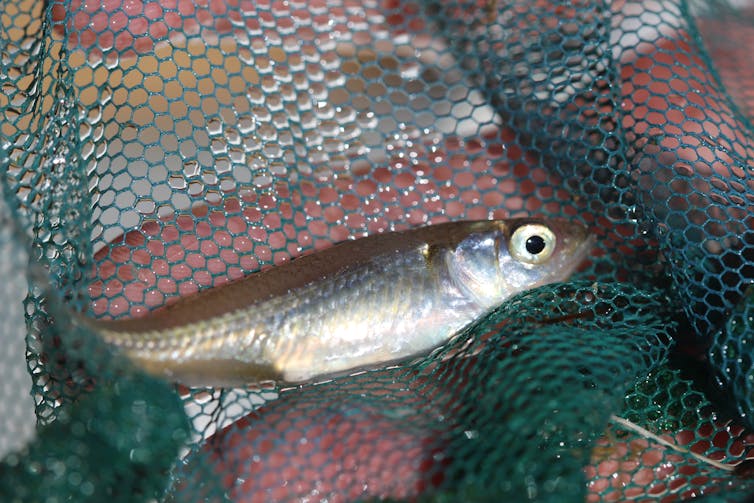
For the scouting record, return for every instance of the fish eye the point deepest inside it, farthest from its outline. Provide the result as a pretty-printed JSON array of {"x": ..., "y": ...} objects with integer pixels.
[{"x": 532, "y": 243}]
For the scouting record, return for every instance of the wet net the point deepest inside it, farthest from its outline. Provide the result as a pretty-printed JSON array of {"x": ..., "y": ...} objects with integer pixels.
[{"x": 149, "y": 150}]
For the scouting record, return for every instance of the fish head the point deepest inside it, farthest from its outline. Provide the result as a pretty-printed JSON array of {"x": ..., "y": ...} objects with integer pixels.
[{"x": 504, "y": 257}]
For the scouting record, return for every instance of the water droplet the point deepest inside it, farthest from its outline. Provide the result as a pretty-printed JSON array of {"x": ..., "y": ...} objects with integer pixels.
[
  {"x": 634, "y": 213},
  {"x": 644, "y": 229}
]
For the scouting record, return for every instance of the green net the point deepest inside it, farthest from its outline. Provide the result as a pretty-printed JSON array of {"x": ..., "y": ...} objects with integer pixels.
[{"x": 150, "y": 150}]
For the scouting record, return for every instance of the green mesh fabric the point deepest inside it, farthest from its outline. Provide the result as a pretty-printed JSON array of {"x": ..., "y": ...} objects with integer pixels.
[{"x": 149, "y": 150}]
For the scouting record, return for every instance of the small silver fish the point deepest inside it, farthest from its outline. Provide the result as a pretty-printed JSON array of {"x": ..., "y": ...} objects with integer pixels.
[{"x": 359, "y": 304}]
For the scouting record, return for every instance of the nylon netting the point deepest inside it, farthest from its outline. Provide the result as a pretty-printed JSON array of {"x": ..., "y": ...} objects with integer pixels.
[{"x": 153, "y": 149}]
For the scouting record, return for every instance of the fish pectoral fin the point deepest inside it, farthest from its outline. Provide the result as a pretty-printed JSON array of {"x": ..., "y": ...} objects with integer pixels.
[{"x": 220, "y": 373}]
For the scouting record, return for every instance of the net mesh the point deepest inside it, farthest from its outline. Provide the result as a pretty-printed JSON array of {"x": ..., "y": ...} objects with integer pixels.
[{"x": 153, "y": 149}]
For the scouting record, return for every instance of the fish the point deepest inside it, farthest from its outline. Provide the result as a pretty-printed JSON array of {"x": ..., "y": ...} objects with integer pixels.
[{"x": 359, "y": 304}]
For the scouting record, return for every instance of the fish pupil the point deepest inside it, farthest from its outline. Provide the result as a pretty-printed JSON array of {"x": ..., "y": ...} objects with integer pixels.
[{"x": 535, "y": 244}]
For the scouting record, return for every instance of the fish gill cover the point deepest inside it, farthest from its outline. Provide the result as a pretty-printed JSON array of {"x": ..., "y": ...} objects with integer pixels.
[{"x": 151, "y": 149}]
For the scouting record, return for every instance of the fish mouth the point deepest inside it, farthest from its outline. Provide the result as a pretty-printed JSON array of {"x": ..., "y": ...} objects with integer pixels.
[{"x": 580, "y": 252}]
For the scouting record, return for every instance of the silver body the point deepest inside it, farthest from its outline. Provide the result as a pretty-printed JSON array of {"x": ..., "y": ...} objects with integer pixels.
[{"x": 359, "y": 304}]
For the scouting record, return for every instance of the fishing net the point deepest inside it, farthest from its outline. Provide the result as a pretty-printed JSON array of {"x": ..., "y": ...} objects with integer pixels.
[{"x": 150, "y": 150}]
